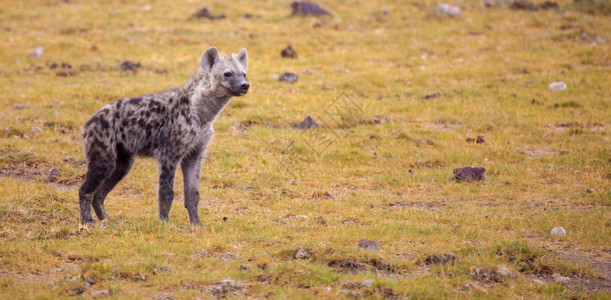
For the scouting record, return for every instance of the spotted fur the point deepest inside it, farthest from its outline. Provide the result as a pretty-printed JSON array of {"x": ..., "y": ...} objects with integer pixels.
[{"x": 174, "y": 127}]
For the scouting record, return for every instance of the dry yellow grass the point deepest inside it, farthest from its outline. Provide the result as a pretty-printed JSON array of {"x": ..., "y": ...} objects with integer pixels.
[{"x": 386, "y": 174}]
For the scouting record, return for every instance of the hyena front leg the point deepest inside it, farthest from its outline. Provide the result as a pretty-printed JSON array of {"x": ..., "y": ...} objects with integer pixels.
[
  {"x": 167, "y": 171},
  {"x": 191, "y": 168}
]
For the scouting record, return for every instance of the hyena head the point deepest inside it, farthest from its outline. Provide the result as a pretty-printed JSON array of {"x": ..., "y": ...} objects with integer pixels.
[{"x": 227, "y": 73}]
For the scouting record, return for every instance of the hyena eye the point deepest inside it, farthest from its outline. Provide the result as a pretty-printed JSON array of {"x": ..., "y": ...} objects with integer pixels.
[{"x": 227, "y": 74}]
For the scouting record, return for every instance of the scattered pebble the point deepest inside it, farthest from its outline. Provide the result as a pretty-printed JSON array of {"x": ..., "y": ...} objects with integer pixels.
[
  {"x": 307, "y": 71},
  {"x": 20, "y": 106},
  {"x": 38, "y": 52},
  {"x": 558, "y": 231},
  {"x": 224, "y": 288},
  {"x": 100, "y": 293},
  {"x": 448, "y": 9},
  {"x": 548, "y": 5},
  {"x": 479, "y": 140},
  {"x": 440, "y": 259},
  {"x": 204, "y": 13},
  {"x": 557, "y": 86},
  {"x": 288, "y": 77},
  {"x": 500, "y": 274},
  {"x": 304, "y": 9},
  {"x": 368, "y": 244},
  {"x": 289, "y": 52},
  {"x": 538, "y": 281},
  {"x": 368, "y": 282},
  {"x": 561, "y": 279},
  {"x": 431, "y": 96},
  {"x": 340, "y": 70},
  {"x": 52, "y": 175},
  {"x": 469, "y": 174},
  {"x": 523, "y": 5},
  {"x": 128, "y": 65},
  {"x": 302, "y": 253},
  {"x": 35, "y": 130},
  {"x": 307, "y": 123}
]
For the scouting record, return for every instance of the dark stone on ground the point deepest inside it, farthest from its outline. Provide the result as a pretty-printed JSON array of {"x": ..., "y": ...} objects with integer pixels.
[
  {"x": 368, "y": 244},
  {"x": 289, "y": 52},
  {"x": 288, "y": 77},
  {"x": 549, "y": 5},
  {"x": 52, "y": 175},
  {"x": 470, "y": 174},
  {"x": 204, "y": 13},
  {"x": 431, "y": 96},
  {"x": 523, "y": 5},
  {"x": 129, "y": 65},
  {"x": 441, "y": 259},
  {"x": 304, "y": 9},
  {"x": 307, "y": 123}
]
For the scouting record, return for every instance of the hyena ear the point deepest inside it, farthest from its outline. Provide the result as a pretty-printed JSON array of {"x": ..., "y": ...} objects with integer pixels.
[
  {"x": 209, "y": 58},
  {"x": 243, "y": 58}
]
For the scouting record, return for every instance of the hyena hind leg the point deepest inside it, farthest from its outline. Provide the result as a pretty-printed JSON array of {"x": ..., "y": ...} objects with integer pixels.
[
  {"x": 123, "y": 164},
  {"x": 98, "y": 170}
]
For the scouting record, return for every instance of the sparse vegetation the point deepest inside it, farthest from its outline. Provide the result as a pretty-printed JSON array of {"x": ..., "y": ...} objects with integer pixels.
[{"x": 397, "y": 90}]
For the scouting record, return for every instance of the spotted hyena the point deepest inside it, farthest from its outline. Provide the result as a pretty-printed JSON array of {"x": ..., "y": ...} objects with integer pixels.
[{"x": 174, "y": 127}]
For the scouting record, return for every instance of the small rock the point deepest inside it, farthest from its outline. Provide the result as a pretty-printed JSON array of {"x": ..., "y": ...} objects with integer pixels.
[
  {"x": 100, "y": 293},
  {"x": 549, "y": 5},
  {"x": 321, "y": 220},
  {"x": 538, "y": 281},
  {"x": 301, "y": 253},
  {"x": 440, "y": 259},
  {"x": 225, "y": 287},
  {"x": 52, "y": 175},
  {"x": 161, "y": 71},
  {"x": 523, "y": 5},
  {"x": 288, "y": 77},
  {"x": 470, "y": 174},
  {"x": 38, "y": 52},
  {"x": 368, "y": 244},
  {"x": 128, "y": 65},
  {"x": 307, "y": 123},
  {"x": 558, "y": 231},
  {"x": 307, "y": 71},
  {"x": 304, "y": 9},
  {"x": 35, "y": 130},
  {"x": 368, "y": 282},
  {"x": 244, "y": 267},
  {"x": 503, "y": 272},
  {"x": 20, "y": 106},
  {"x": 561, "y": 279},
  {"x": 65, "y": 73},
  {"x": 557, "y": 86},
  {"x": 204, "y": 13},
  {"x": 480, "y": 140},
  {"x": 289, "y": 52},
  {"x": 431, "y": 96},
  {"x": 89, "y": 282},
  {"x": 448, "y": 9},
  {"x": 340, "y": 70}
]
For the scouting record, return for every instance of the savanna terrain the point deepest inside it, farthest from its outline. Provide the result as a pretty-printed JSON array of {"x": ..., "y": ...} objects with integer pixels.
[{"x": 401, "y": 93}]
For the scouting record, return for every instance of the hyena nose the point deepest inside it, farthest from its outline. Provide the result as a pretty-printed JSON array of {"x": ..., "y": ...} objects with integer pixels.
[{"x": 245, "y": 85}]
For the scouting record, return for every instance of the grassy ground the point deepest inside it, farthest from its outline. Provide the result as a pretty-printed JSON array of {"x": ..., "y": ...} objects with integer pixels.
[{"x": 382, "y": 170}]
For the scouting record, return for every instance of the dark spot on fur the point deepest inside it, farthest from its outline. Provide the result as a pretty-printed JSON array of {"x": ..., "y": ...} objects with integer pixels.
[
  {"x": 141, "y": 123},
  {"x": 184, "y": 100},
  {"x": 104, "y": 123},
  {"x": 171, "y": 100},
  {"x": 119, "y": 102},
  {"x": 93, "y": 120},
  {"x": 117, "y": 115},
  {"x": 135, "y": 101},
  {"x": 148, "y": 114}
]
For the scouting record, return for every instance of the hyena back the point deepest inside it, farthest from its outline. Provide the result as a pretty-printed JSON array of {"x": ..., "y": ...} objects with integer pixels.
[{"x": 174, "y": 127}]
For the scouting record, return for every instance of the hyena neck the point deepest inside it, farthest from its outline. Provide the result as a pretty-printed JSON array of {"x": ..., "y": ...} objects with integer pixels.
[{"x": 209, "y": 104}]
